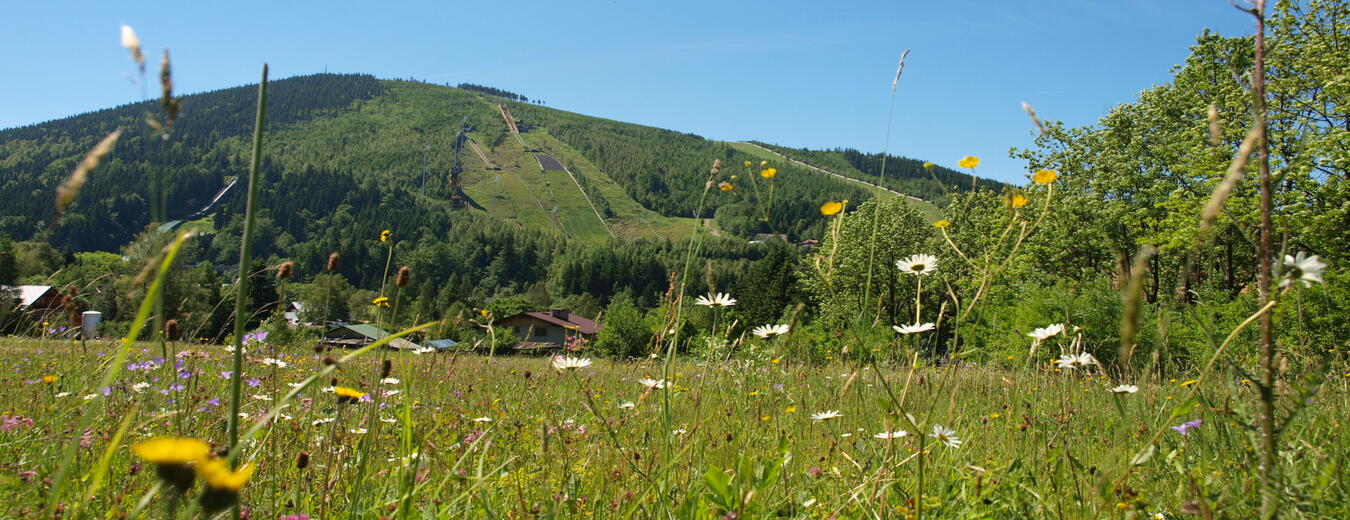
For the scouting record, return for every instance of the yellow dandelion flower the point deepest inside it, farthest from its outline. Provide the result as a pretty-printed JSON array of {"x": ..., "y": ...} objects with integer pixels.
[
  {"x": 942, "y": 223},
  {"x": 791, "y": 409},
  {"x": 969, "y": 161},
  {"x": 831, "y": 208},
  {"x": 1189, "y": 383},
  {"x": 172, "y": 450},
  {"x": 768, "y": 173},
  {"x": 1017, "y": 200},
  {"x": 222, "y": 484},
  {"x": 763, "y": 164},
  {"x": 748, "y": 164},
  {"x": 173, "y": 458},
  {"x": 384, "y": 235},
  {"x": 348, "y": 395},
  {"x": 49, "y": 379},
  {"x": 216, "y": 473},
  {"x": 382, "y": 301},
  {"x": 725, "y": 186},
  {"x": 1044, "y": 176},
  {"x": 929, "y": 166}
]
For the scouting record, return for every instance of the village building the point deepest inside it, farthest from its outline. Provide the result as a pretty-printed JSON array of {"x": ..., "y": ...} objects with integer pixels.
[
  {"x": 548, "y": 329},
  {"x": 357, "y": 335}
]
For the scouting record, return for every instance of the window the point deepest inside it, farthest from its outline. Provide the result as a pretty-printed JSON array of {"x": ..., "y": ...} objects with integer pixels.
[{"x": 541, "y": 332}]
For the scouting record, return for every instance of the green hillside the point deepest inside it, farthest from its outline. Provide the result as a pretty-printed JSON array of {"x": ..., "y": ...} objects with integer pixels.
[{"x": 620, "y": 180}]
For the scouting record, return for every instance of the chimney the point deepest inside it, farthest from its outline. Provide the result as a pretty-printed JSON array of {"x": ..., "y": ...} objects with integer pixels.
[{"x": 559, "y": 313}]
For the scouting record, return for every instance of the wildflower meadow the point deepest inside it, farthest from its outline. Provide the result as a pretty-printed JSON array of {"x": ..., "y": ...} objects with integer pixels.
[{"x": 1151, "y": 324}]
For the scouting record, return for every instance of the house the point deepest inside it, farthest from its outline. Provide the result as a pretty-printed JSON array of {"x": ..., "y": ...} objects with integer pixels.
[
  {"x": 357, "y": 335},
  {"x": 809, "y": 243},
  {"x": 550, "y": 328},
  {"x": 38, "y": 303},
  {"x": 293, "y": 313},
  {"x": 34, "y": 297}
]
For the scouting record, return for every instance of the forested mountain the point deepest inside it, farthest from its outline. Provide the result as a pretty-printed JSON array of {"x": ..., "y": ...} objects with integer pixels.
[{"x": 344, "y": 138}]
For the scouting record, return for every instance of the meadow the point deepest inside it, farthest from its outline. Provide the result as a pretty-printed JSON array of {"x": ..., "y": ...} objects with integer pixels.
[
  {"x": 443, "y": 435},
  {"x": 1150, "y": 326}
]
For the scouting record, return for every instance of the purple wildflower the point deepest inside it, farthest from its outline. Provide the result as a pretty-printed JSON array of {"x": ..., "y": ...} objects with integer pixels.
[
  {"x": 1184, "y": 427},
  {"x": 253, "y": 381}
]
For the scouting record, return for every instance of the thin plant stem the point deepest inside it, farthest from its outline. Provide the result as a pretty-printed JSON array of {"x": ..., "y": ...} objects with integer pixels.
[{"x": 245, "y": 257}]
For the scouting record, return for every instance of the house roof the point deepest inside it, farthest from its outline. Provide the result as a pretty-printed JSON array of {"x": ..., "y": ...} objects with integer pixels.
[
  {"x": 575, "y": 322},
  {"x": 442, "y": 343},
  {"x": 374, "y": 333},
  {"x": 27, "y": 294}
]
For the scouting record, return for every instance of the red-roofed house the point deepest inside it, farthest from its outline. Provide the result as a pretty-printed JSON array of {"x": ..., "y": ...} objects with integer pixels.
[{"x": 553, "y": 326}]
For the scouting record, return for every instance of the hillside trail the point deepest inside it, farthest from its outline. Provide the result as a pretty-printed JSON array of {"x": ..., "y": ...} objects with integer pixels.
[
  {"x": 712, "y": 230},
  {"x": 827, "y": 172}
]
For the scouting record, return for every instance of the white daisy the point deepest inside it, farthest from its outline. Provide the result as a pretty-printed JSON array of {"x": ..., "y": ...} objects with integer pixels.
[
  {"x": 1125, "y": 389},
  {"x": 1302, "y": 268},
  {"x": 918, "y": 265},
  {"x": 652, "y": 383},
  {"x": 826, "y": 415},
  {"x": 765, "y": 331},
  {"x": 324, "y": 420},
  {"x": 911, "y": 329},
  {"x": 715, "y": 300},
  {"x": 627, "y": 405},
  {"x": 389, "y": 381},
  {"x": 390, "y": 420},
  {"x": 678, "y": 431},
  {"x": 261, "y": 397},
  {"x": 1067, "y": 361},
  {"x": 63, "y": 394},
  {"x": 1086, "y": 359},
  {"x": 892, "y": 435},
  {"x": 423, "y": 350},
  {"x": 358, "y": 431},
  {"x": 140, "y": 387},
  {"x": 275, "y": 362},
  {"x": 946, "y": 436},
  {"x": 1047, "y": 332},
  {"x": 482, "y": 419},
  {"x": 570, "y": 363}
]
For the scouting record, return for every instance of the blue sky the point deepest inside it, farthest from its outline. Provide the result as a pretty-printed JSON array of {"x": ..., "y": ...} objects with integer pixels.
[{"x": 796, "y": 73}]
